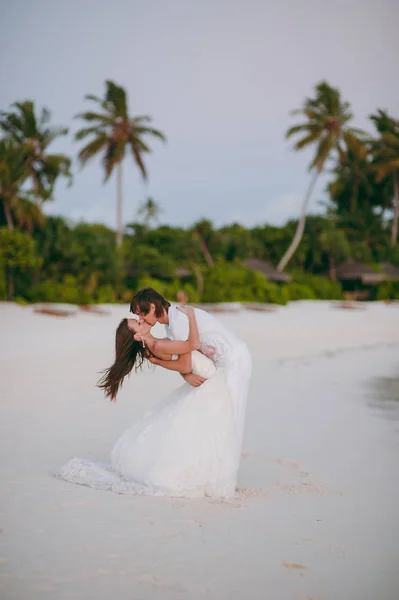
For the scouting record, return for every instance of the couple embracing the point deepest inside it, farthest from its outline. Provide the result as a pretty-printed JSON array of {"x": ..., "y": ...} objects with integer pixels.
[{"x": 190, "y": 444}]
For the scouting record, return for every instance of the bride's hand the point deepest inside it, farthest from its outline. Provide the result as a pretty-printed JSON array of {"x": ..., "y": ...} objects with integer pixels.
[{"x": 187, "y": 310}]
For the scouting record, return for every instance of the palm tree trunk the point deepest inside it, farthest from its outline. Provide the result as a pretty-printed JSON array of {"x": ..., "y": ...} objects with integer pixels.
[
  {"x": 355, "y": 193},
  {"x": 119, "y": 199},
  {"x": 395, "y": 222},
  {"x": 39, "y": 201},
  {"x": 205, "y": 251},
  {"x": 301, "y": 225},
  {"x": 199, "y": 278},
  {"x": 7, "y": 212},
  {"x": 333, "y": 271}
]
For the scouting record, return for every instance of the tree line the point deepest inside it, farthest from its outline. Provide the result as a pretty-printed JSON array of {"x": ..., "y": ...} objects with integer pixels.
[{"x": 49, "y": 259}]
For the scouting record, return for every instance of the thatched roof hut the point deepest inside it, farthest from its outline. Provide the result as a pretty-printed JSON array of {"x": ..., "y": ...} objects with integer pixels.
[
  {"x": 390, "y": 270},
  {"x": 182, "y": 272},
  {"x": 354, "y": 271},
  {"x": 267, "y": 270}
]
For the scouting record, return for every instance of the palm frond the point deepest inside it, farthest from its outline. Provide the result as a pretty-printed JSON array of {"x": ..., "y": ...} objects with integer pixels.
[
  {"x": 26, "y": 213},
  {"x": 114, "y": 154},
  {"x": 150, "y": 131},
  {"x": 387, "y": 169},
  {"x": 11, "y": 124},
  {"x": 141, "y": 119},
  {"x": 45, "y": 116},
  {"x": 104, "y": 104},
  {"x": 55, "y": 165},
  {"x": 97, "y": 130},
  {"x": 297, "y": 129},
  {"x": 28, "y": 118},
  {"x": 142, "y": 147},
  {"x": 308, "y": 139},
  {"x": 115, "y": 95},
  {"x": 93, "y": 98},
  {"x": 92, "y": 116},
  {"x": 323, "y": 150},
  {"x": 49, "y": 135},
  {"x": 138, "y": 159},
  {"x": 382, "y": 121},
  {"x": 13, "y": 165},
  {"x": 93, "y": 148},
  {"x": 354, "y": 144},
  {"x": 391, "y": 140}
]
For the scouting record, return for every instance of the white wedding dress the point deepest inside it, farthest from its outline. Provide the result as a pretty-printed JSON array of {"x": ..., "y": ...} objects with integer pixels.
[{"x": 187, "y": 446}]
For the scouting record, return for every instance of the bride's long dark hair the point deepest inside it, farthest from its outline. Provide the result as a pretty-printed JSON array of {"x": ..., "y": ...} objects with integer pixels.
[{"x": 129, "y": 353}]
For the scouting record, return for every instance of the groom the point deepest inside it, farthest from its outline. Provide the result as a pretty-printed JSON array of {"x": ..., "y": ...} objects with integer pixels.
[
  {"x": 217, "y": 342},
  {"x": 153, "y": 308}
]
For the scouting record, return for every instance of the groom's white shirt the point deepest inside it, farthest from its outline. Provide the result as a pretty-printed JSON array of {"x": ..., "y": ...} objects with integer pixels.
[{"x": 208, "y": 327}]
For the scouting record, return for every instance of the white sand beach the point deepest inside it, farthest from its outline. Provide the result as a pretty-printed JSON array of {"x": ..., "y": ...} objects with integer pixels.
[{"x": 317, "y": 512}]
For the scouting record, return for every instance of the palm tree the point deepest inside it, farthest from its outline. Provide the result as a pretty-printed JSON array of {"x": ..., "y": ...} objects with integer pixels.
[
  {"x": 326, "y": 125},
  {"x": 16, "y": 203},
  {"x": 35, "y": 135},
  {"x": 150, "y": 210},
  {"x": 386, "y": 160},
  {"x": 112, "y": 131}
]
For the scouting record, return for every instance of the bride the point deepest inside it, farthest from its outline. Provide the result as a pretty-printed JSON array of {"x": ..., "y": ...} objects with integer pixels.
[{"x": 187, "y": 446}]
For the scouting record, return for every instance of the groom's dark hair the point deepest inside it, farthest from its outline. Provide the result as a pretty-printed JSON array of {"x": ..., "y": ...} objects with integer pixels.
[{"x": 142, "y": 300}]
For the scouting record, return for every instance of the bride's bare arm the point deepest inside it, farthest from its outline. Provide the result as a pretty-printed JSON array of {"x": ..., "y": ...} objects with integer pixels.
[
  {"x": 182, "y": 364},
  {"x": 161, "y": 355},
  {"x": 177, "y": 346}
]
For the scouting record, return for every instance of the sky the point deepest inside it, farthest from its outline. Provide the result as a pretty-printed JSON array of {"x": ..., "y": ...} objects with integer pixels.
[{"x": 218, "y": 77}]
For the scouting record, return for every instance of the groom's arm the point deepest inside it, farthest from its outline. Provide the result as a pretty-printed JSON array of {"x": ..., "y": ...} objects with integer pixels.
[{"x": 180, "y": 331}]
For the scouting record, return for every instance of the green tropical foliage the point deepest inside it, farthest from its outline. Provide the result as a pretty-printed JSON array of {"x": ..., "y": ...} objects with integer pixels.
[
  {"x": 53, "y": 260},
  {"x": 17, "y": 256}
]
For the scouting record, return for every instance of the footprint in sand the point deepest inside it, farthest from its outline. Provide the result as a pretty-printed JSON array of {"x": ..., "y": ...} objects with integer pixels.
[{"x": 293, "y": 566}]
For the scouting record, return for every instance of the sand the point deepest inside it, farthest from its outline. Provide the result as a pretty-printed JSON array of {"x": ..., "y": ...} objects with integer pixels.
[{"x": 316, "y": 517}]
